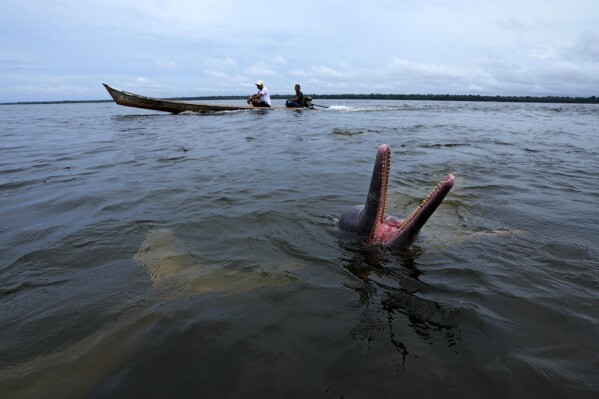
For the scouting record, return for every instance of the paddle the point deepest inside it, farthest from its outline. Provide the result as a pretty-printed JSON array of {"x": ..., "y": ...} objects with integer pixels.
[{"x": 323, "y": 106}]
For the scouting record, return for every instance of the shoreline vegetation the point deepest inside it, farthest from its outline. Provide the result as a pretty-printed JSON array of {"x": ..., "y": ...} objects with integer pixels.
[{"x": 421, "y": 97}]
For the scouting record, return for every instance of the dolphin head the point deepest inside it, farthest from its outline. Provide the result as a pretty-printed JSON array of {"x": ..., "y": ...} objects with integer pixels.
[{"x": 370, "y": 222}]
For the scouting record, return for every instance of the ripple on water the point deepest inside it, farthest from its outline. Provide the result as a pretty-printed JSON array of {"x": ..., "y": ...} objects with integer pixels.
[{"x": 498, "y": 295}]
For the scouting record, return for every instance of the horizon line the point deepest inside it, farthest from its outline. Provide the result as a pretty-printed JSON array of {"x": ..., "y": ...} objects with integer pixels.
[{"x": 371, "y": 96}]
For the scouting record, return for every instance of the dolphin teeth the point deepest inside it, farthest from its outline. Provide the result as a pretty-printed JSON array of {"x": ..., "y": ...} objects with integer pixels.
[
  {"x": 370, "y": 221},
  {"x": 419, "y": 207}
]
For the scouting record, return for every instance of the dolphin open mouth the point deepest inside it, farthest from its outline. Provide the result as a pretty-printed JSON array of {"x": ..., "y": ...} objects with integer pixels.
[
  {"x": 371, "y": 221},
  {"x": 390, "y": 230}
]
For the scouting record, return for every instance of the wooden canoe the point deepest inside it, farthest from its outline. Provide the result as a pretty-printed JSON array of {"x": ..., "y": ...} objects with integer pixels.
[{"x": 134, "y": 100}]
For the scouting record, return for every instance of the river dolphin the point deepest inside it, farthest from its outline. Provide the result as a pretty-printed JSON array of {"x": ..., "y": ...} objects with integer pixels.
[
  {"x": 175, "y": 271},
  {"x": 75, "y": 369},
  {"x": 370, "y": 222}
]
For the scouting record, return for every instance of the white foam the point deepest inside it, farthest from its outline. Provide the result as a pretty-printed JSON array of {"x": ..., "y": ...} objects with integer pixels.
[{"x": 342, "y": 108}]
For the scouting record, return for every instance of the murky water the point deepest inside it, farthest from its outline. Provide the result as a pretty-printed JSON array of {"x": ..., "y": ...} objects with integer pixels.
[{"x": 156, "y": 255}]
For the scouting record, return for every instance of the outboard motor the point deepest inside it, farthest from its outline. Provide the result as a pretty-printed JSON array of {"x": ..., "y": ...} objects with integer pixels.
[{"x": 307, "y": 102}]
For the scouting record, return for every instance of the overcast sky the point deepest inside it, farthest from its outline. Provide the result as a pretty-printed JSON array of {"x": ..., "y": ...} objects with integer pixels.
[{"x": 65, "y": 49}]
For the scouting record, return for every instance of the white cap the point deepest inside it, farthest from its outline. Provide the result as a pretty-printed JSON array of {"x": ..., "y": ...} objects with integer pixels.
[{"x": 259, "y": 83}]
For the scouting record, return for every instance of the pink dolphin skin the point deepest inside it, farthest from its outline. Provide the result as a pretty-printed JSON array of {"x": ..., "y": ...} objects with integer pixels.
[{"x": 370, "y": 222}]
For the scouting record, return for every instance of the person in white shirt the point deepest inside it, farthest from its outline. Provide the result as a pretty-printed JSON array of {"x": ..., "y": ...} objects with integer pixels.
[{"x": 261, "y": 98}]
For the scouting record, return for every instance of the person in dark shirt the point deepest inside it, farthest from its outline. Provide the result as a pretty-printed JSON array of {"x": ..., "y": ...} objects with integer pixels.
[{"x": 298, "y": 100}]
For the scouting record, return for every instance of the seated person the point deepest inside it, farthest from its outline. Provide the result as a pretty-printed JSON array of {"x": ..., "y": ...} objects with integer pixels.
[
  {"x": 261, "y": 98},
  {"x": 298, "y": 100}
]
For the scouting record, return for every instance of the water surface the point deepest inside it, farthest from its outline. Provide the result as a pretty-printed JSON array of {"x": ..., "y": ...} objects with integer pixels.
[{"x": 153, "y": 255}]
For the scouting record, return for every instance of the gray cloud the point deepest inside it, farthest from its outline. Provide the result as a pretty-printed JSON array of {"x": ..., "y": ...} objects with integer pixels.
[
  {"x": 586, "y": 47},
  {"x": 184, "y": 47}
]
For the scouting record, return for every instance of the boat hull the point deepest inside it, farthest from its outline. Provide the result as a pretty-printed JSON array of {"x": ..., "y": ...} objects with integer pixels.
[{"x": 176, "y": 107}]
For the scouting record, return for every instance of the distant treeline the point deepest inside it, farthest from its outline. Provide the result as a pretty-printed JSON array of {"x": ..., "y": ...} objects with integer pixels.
[
  {"x": 423, "y": 97},
  {"x": 464, "y": 97}
]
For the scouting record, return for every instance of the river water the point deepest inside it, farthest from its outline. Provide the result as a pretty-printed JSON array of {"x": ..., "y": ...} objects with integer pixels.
[{"x": 154, "y": 255}]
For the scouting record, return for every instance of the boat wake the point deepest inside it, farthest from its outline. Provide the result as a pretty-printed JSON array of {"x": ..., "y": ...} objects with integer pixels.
[
  {"x": 345, "y": 108},
  {"x": 342, "y": 108}
]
